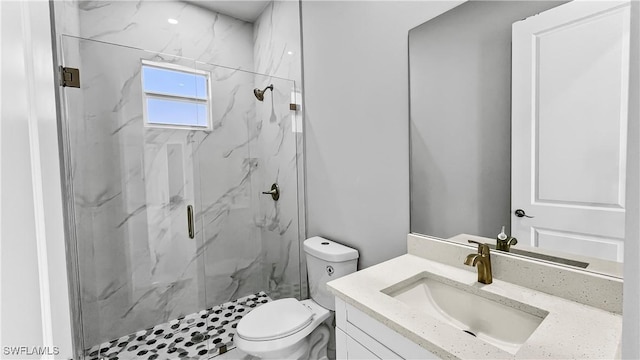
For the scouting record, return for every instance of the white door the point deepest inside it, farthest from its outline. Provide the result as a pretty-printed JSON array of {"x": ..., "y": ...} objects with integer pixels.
[{"x": 569, "y": 128}]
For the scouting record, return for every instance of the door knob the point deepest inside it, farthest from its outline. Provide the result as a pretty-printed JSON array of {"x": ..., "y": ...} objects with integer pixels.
[
  {"x": 274, "y": 192},
  {"x": 520, "y": 213}
]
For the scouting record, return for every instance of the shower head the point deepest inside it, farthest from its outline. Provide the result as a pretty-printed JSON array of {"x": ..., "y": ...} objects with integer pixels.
[{"x": 260, "y": 93}]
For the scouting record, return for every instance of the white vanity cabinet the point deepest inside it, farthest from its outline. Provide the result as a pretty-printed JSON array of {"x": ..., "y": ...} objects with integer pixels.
[{"x": 359, "y": 336}]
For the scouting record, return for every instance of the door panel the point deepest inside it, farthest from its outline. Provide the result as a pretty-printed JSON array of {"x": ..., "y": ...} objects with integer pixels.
[
  {"x": 569, "y": 127},
  {"x": 579, "y": 244},
  {"x": 580, "y": 124}
]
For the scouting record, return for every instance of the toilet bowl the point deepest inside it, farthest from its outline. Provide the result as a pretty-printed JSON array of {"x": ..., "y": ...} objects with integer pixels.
[
  {"x": 293, "y": 329},
  {"x": 282, "y": 331}
]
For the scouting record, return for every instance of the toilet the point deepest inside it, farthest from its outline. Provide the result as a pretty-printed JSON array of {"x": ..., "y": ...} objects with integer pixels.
[{"x": 294, "y": 329}]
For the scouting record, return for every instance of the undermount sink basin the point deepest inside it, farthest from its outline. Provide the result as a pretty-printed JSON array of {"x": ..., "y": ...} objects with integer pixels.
[{"x": 468, "y": 309}]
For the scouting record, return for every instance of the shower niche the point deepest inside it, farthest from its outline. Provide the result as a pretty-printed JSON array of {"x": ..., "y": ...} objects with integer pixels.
[{"x": 173, "y": 236}]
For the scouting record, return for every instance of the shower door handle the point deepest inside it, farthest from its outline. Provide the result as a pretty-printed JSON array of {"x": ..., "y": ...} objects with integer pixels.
[{"x": 190, "y": 221}]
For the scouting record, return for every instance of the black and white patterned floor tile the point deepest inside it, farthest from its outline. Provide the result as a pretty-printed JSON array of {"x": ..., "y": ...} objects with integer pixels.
[{"x": 200, "y": 335}]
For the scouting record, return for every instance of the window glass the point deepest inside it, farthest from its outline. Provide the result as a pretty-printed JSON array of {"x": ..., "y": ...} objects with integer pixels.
[
  {"x": 175, "y": 112},
  {"x": 175, "y": 98},
  {"x": 172, "y": 82}
]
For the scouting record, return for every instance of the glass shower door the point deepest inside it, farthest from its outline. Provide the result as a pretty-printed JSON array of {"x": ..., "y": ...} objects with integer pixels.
[
  {"x": 168, "y": 161},
  {"x": 251, "y": 241},
  {"x": 131, "y": 131}
]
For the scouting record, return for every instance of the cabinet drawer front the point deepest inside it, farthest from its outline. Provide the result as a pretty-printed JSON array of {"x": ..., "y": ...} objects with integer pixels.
[
  {"x": 356, "y": 351},
  {"x": 370, "y": 343},
  {"x": 396, "y": 345}
]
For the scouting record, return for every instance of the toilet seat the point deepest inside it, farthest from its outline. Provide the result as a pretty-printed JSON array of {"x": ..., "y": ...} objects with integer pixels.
[
  {"x": 275, "y": 320},
  {"x": 319, "y": 314}
]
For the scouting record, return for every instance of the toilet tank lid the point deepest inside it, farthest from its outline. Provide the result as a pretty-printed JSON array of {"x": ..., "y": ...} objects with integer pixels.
[{"x": 329, "y": 250}]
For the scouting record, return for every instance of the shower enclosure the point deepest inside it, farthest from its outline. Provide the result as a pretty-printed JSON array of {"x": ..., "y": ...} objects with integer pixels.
[{"x": 166, "y": 162}]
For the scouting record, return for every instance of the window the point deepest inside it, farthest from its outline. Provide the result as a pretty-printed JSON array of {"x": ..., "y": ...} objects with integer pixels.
[{"x": 175, "y": 96}]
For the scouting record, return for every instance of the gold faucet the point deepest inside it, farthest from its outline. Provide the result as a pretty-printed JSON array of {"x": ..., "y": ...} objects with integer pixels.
[
  {"x": 506, "y": 244},
  {"x": 482, "y": 260}
]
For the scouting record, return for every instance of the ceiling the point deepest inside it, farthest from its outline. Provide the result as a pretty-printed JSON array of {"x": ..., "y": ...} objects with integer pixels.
[{"x": 247, "y": 10}]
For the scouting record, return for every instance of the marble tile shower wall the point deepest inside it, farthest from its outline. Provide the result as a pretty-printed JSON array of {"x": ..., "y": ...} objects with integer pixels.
[
  {"x": 276, "y": 38},
  {"x": 137, "y": 267}
]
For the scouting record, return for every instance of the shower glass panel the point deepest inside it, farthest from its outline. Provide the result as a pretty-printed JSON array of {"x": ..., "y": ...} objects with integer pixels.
[
  {"x": 146, "y": 136},
  {"x": 132, "y": 182},
  {"x": 251, "y": 241}
]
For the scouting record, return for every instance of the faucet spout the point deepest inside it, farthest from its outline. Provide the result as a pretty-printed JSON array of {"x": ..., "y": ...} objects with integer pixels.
[
  {"x": 471, "y": 259},
  {"x": 481, "y": 260}
]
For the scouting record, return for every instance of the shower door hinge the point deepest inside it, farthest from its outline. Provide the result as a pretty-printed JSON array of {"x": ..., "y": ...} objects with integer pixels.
[{"x": 69, "y": 77}]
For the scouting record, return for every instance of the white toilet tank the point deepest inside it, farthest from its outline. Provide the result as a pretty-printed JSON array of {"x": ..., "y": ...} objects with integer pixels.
[{"x": 327, "y": 260}]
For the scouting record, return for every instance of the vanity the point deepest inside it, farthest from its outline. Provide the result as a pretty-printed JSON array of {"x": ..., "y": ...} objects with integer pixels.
[{"x": 428, "y": 305}]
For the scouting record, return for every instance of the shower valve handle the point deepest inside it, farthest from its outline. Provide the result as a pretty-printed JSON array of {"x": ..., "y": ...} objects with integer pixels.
[{"x": 274, "y": 192}]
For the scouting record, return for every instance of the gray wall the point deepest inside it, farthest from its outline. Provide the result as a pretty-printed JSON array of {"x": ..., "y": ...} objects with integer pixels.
[
  {"x": 356, "y": 121},
  {"x": 460, "y": 65}
]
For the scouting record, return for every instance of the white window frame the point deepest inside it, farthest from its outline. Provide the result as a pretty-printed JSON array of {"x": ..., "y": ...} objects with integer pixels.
[{"x": 157, "y": 95}]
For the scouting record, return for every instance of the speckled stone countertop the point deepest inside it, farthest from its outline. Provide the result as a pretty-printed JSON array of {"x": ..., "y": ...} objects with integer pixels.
[{"x": 570, "y": 330}]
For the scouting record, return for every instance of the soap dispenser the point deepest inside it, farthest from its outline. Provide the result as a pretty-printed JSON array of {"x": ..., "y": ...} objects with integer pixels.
[{"x": 505, "y": 242}]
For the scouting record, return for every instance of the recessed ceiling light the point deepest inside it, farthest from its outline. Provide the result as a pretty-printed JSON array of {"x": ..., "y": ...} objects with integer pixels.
[
  {"x": 290, "y": 52},
  {"x": 172, "y": 21}
]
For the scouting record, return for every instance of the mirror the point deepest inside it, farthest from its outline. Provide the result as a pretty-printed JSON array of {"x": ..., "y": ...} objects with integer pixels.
[{"x": 520, "y": 121}]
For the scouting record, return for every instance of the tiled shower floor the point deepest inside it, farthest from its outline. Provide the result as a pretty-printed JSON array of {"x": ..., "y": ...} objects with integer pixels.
[{"x": 200, "y": 335}]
